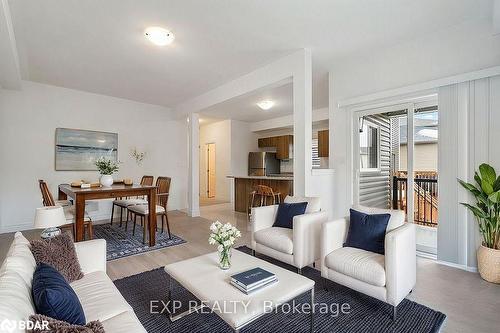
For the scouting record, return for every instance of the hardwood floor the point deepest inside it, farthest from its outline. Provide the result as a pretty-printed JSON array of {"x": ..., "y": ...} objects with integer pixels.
[{"x": 470, "y": 303}]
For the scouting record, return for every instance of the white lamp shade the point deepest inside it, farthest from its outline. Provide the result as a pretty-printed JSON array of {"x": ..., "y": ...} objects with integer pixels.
[{"x": 50, "y": 216}]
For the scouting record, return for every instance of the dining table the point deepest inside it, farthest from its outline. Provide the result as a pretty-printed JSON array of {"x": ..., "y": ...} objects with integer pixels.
[{"x": 80, "y": 195}]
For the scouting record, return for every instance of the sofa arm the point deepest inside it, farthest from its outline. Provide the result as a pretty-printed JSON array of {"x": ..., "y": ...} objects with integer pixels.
[
  {"x": 333, "y": 235},
  {"x": 91, "y": 255},
  {"x": 306, "y": 238},
  {"x": 262, "y": 218},
  {"x": 400, "y": 262}
]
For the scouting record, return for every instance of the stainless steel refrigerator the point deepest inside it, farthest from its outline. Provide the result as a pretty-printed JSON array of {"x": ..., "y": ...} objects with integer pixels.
[{"x": 263, "y": 164}]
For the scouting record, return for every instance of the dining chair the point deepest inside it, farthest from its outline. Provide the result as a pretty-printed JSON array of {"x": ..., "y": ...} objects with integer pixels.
[
  {"x": 163, "y": 188},
  {"x": 123, "y": 204},
  {"x": 69, "y": 210}
]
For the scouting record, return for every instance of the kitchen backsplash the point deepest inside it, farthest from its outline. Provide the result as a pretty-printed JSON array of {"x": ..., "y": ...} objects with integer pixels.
[{"x": 286, "y": 166}]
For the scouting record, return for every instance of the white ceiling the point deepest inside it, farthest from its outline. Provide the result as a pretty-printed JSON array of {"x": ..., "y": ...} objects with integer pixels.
[
  {"x": 245, "y": 107},
  {"x": 98, "y": 46}
]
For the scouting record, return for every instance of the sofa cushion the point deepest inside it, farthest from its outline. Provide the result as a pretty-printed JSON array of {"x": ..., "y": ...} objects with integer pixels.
[
  {"x": 99, "y": 297},
  {"x": 279, "y": 239},
  {"x": 397, "y": 216},
  {"x": 20, "y": 259},
  {"x": 130, "y": 202},
  {"x": 125, "y": 322},
  {"x": 144, "y": 209},
  {"x": 367, "y": 231},
  {"x": 16, "y": 301},
  {"x": 53, "y": 296},
  {"x": 286, "y": 213},
  {"x": 359, "y": 264},
  {"x": 313, "y": 203},
  {"x": 58, "y": 252}
]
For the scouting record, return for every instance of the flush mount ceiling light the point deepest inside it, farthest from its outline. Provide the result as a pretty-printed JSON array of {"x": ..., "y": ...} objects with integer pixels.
[
  {"x": 265, "y": 105},
  {"x": 159, "y": 36}
]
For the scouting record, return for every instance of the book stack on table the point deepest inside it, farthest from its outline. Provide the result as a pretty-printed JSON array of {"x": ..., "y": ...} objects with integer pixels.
[{"x": 253, "y": 280}]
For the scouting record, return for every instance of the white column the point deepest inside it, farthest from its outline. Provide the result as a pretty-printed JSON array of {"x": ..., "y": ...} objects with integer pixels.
[
  {"x": 194, "y": 165},
  {"x": 302, "y": 126}
]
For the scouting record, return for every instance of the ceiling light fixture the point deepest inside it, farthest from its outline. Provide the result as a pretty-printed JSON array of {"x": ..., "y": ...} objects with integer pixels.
[
  {"x": 265, "y": 105},
  {"x": 159, "y": 36}
]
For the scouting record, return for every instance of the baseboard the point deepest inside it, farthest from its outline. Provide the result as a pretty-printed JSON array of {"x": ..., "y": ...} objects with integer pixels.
[
  {"x": 426, "y": 255},
  {"x": 454, "y": 265}
]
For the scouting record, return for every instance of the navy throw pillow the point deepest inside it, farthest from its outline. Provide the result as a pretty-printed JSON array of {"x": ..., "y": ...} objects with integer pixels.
[
  {"x": 54, "y": 297},
  {"x": 286, "y": 212},
  {"x": 367, "y": 231}
]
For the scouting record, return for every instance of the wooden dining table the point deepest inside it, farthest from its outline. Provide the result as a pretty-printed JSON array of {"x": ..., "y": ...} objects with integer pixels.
[{"x": 80, "y": 195}]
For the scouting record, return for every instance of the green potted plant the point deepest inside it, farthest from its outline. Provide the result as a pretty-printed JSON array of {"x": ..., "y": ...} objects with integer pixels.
[
  {"x": 106, "y": 168},
  {"x": 487, "y": 213}
]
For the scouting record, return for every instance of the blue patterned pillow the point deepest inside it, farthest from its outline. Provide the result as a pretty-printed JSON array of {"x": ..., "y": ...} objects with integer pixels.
[
  {"x": 367, "y": 231},
  {"x": 54, "y": 297}
]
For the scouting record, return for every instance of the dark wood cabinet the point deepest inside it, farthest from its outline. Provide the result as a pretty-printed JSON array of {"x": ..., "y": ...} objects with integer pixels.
[
  {"x": 281, "y": 143},
  {"x": 323, "y": 143},
  {"x": 243, "y": 187}
]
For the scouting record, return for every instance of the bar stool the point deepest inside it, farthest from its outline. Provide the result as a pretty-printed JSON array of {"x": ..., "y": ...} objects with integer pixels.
[{"x": 264, "y": 193}]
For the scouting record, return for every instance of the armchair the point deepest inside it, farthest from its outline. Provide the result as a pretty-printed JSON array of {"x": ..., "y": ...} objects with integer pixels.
[
  {"x": 299, "y": 246},
  {"x": 390, "y": 277}
]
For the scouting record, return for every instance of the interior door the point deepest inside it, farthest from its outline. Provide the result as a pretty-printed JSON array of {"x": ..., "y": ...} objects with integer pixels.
[{"x": 211, "y": 181}]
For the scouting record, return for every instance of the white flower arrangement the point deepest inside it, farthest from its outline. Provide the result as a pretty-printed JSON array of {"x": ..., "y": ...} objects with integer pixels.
[{"x": 224, "y": 236}]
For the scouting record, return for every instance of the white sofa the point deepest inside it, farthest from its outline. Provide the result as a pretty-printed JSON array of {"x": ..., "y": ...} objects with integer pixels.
[
  {"x": 99, "y": 297},
  {"x": 299, "y": 246},
  {"x": 390, "y": 277}
]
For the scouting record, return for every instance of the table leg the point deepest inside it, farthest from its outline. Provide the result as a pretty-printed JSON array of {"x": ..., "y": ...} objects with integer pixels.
[
  {"x": 312, "y": 310},
  {"x": 152, "y": 216},
  {"x": 79, "y": 216}
]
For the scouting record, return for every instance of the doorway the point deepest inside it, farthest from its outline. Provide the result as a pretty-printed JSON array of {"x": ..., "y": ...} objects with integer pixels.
[
  {"x": 211, "y": 172},
  {"x": 395, "y": 165}
]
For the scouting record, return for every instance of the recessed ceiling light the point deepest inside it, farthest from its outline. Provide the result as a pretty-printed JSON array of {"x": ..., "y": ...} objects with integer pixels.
[
  {"x": 159, "y": 36},
  {"x": 265, "y": 105}
]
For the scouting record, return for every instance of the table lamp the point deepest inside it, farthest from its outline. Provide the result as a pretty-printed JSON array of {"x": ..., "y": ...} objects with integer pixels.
[{"x": 50, "y": 218}]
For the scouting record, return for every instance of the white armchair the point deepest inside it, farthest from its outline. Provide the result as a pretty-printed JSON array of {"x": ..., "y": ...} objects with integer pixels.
[
  {"x": 299, "y": 246},
  {"x": 390, "y": 277}
]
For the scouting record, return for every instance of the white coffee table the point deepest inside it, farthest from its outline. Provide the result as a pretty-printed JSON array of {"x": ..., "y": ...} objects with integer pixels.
[{"x": 204, "y": 279}]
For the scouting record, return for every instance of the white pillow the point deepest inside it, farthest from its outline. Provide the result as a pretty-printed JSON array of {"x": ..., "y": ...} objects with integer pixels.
[
  {"x": 19, "y": 259},
  {"x": 313, "y": 203}
]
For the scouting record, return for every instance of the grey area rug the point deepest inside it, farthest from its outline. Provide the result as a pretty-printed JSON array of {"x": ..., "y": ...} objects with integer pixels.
[
  {"x": 121, "y": 243},
  {"x": 367, "y": 314}
]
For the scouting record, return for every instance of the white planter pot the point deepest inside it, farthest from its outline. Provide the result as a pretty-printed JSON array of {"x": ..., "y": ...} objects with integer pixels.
[{"x": 106, "y": 180}]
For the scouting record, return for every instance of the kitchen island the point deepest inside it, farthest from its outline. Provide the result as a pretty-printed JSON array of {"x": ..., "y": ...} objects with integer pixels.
[{"x": 244, "y": 185}]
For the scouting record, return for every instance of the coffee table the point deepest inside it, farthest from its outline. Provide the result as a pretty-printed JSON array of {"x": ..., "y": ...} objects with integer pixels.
[{"x": 204, "y": 279}]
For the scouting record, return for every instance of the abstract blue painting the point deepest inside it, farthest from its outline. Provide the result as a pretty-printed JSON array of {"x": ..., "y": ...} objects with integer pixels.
[{"x": 77, "y": 150}]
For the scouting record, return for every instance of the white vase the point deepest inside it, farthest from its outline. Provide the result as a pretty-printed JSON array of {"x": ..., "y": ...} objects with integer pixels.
[{"x": 106, "y": 180}]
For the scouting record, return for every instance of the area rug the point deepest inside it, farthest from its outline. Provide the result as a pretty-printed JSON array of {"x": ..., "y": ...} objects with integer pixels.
[
  {"x": 366, "y": 315},
  {"x": 121, "y": 243}
]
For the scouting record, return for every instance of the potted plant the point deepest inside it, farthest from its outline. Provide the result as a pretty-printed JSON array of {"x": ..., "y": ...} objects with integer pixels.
[
  {"x": 487, "y": 212},
  {"x": 106, "y": 168}
]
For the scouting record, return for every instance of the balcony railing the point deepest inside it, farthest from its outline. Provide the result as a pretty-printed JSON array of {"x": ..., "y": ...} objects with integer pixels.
[{"x": 425, "y": 196}]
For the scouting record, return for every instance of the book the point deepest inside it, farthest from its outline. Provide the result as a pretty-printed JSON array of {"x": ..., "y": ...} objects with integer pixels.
[
  {"x": 252, "y": 278},
  {"x": 255, "y": 288}
]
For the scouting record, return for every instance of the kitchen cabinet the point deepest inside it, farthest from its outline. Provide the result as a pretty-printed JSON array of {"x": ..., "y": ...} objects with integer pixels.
[
  {"x": 323, "y": 143},
  {"x": 282, "y": 144}
]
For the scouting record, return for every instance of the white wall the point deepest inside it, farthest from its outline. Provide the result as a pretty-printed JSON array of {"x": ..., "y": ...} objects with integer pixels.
[
  {"x": 28, "y": 119},
  {"x": 243, "y": 141},
  {"x": 220, "y": 134}
]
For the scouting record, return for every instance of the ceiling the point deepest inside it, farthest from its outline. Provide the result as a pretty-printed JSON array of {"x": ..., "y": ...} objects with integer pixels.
[
  {"x": 245, "y": 107},
  {"x": 98, "y": 46}
]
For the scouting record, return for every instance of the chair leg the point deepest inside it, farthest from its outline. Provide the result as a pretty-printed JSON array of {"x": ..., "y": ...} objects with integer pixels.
[
  {"x": 299, "y": 271},
  {"x": 168, "y": 226},
  {"x": 325, "y": 284},
  {"x": 121, "y": 215},
  {"x": 394, "y": 313},
  {"x": 112, "y": 213},
  {"x": 253, "y": 253},
  {"x": 126, "y": 222},
  {"x": 145, "y": 229},
  {"x": 135, "y": 222},
  {"x": 162, "y": 222},
  {"x": 91, "y": 230}
]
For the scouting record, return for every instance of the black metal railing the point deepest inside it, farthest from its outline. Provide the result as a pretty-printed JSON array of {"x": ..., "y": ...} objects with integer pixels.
[{"x": 425, "y": 197}]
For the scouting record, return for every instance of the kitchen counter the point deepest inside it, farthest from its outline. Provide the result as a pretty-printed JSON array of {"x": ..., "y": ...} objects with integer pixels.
[
  {"x": 264, "y": 177},
  {"x": 245, "y": 185}
]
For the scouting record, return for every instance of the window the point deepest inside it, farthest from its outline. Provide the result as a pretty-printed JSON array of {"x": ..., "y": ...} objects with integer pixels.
[{"x": 369, "y": 144}]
